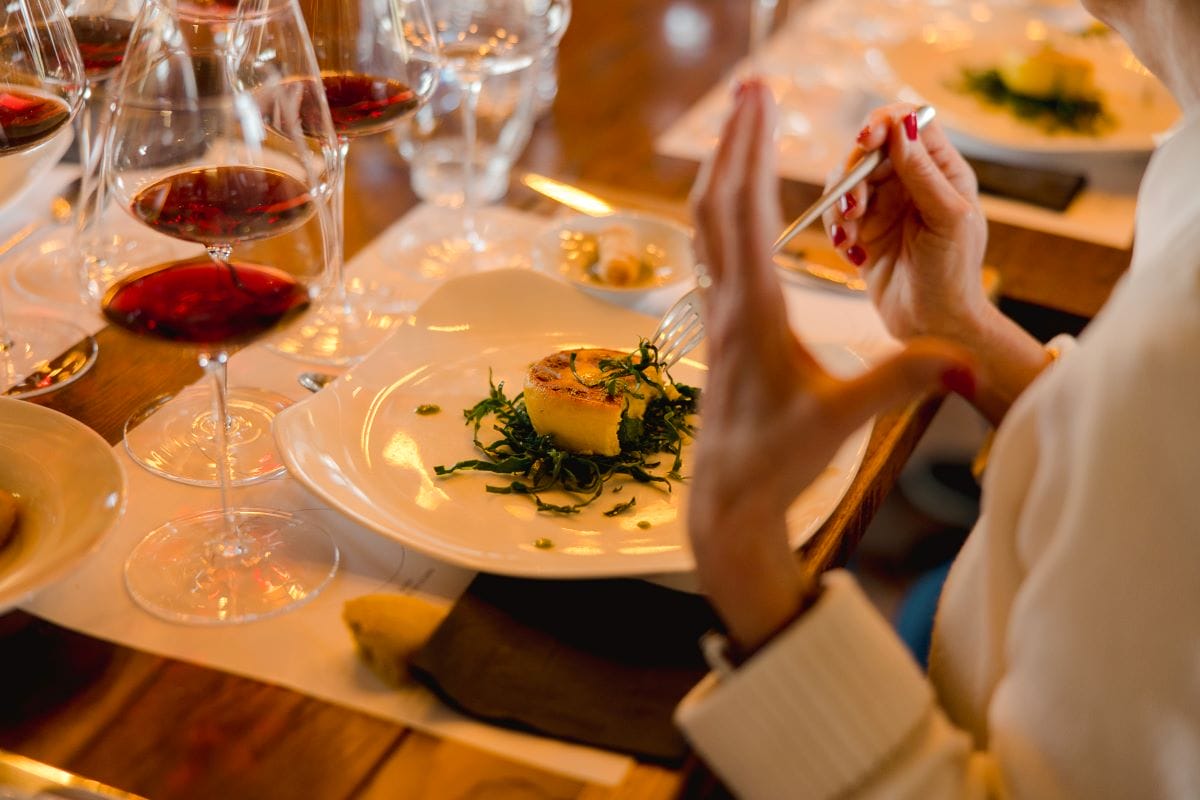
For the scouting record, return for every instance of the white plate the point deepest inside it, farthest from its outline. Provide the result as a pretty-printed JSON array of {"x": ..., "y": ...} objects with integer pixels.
[
  {"x": 1140, "y": 105},
  {"x": 70, "y": 489},
  {"x": 360, "y": 446}
]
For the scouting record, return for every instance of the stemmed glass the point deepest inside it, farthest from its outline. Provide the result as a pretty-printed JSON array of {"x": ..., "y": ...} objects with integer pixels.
[
  {"x": 481, "y": 38},
  {"x": 379, "y": 61},
  {"x": 52, "y": 271},
  {"x": 41, "y": 90},
  {"x": 220, "y": 136}
]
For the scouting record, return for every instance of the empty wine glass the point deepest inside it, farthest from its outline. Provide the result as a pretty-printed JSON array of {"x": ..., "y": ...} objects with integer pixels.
[
  {"x": 379, "y": 61},
  {"x": 481, "y": 38},
  {"x": 220, "y": 137},
  {"x": 41, "y": 90}
]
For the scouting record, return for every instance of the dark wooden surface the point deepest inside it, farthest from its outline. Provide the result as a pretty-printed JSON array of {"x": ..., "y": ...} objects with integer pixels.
[{"x": 168, "y": 729}]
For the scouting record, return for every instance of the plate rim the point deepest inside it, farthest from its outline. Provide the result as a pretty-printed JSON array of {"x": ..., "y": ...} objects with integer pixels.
[
  {"x": 13, "y": 597},
  {"x": 1042, "y": 144}
]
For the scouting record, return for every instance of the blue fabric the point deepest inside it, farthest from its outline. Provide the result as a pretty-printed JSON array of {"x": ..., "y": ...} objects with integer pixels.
[{"x": 914, "y": 618}]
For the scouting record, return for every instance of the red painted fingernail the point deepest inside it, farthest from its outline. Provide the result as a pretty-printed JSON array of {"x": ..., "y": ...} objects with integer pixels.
[
  {"x": 960, "y": 380},
  {"x": 856, "y": 254},
  {"x": 839, "y": 235},
  {"x": 910, "y": 126},
  {"x": 864, "y": 133},
  {"x": 847, "y": 204}
]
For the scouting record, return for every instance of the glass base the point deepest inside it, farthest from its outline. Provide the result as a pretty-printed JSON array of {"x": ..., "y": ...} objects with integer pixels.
[
  {"x": 173, "y": 436},
  {"x": 189, "y": 570},
  {"x": 343, "y": 335},
  {"x": 40, "y": 353},
  {"x": 450, "y": 249}
]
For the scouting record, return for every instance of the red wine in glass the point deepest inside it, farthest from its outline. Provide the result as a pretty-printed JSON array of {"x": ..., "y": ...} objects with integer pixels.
[
  {"x": 205, "y": 302},
  {"x": 217, "y": 205},
  {"x": 102, "y": 42},
  {"x": 363, "y": 104},
  {"x": 28, "y": 117}
]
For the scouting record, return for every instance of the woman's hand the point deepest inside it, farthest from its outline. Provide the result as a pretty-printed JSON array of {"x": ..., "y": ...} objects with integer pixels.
[
  {"x": 772, "y": 416},
  {"x": 916, "y": 230}
]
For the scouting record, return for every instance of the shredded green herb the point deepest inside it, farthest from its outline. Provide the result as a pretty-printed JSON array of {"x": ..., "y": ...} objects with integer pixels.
[
  {"x": 1079, "y": 115},
  {"x": 538, "y": 465},
  {"x": 425, "y": 409}
]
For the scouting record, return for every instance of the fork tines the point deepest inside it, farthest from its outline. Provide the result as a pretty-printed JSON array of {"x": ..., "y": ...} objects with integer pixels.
[{"x": 680, "y": 330}]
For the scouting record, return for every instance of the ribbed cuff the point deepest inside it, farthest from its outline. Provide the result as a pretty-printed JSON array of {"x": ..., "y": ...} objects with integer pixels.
[{"x": 817, "y": 710}]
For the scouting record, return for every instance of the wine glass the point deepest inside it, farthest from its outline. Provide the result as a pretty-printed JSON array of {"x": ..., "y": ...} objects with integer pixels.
[
  {"x": 220, "y": 137},
  {"x": 379, "y": 61},
  {"x": 481, "y": 38},
  {"x": 41, "y": 90},
  {"x": 52, "y": 270}
]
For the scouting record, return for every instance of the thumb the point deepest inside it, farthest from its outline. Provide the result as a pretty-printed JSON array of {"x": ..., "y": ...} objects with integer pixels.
[{"x": 924, "y": 365}]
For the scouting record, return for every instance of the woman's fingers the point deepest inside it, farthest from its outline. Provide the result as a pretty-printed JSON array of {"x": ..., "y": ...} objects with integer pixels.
[
  {"x": 759, "y": 200},
  {"x": 940, "y": 203},
  {"x": 737, "y": 215},
  {"x": 923, "y": 365},
  {"x": 717, "y": 187}
]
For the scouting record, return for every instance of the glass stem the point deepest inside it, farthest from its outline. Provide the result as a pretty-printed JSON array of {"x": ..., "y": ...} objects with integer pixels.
[
  {"x": 472, "y": 88},
  {"x": 337, "y": 252},
  {"x": 215, "y": 365},
  {"x": 83, "y": 133}
]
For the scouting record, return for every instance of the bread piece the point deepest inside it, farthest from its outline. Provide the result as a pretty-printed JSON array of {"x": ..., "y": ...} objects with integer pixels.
[
  {"x": 8, "y": 517},
  {"x": 388, "y": 629}
]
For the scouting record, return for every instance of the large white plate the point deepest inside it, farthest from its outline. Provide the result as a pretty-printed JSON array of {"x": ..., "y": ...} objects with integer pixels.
[
  {"x": 70, "y": 490},
  {"x": 362, "y": 448},
  {"x": 1141, "y": 107}
]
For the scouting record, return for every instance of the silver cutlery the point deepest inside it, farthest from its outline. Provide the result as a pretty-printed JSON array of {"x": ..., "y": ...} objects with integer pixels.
[
  {"x": 679, "y": 330},
  {"x": 315, "y": 381},
  {"x": 861, "y": 169}
]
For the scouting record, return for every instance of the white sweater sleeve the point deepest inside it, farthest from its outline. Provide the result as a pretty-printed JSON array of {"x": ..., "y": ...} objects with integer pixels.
[{"x": 827, "y": 702}]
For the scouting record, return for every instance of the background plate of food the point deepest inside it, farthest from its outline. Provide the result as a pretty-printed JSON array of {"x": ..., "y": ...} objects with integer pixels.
[
  {"x": 371, "y": 443},
  {"x": 1036, "y": 90},
  {"x": 61, "y": 491}
]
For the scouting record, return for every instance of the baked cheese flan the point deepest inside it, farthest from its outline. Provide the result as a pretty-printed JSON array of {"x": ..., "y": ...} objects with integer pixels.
[{"x": 582, "y": 416}]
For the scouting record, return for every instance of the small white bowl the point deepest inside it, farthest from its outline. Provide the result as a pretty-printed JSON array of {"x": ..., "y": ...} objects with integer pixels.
[{"x": 568, "y": 249}]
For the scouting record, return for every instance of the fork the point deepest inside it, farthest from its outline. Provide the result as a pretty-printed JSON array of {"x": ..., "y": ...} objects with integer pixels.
[{"x": 679, "y": 330}]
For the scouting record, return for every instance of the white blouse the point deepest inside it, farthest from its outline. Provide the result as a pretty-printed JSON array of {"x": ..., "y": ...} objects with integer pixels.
[{"x": 1066, "y": 653}]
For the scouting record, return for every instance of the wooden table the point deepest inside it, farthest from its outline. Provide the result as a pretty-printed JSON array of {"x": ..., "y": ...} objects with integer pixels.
[{"x": 164, "y": 728}]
